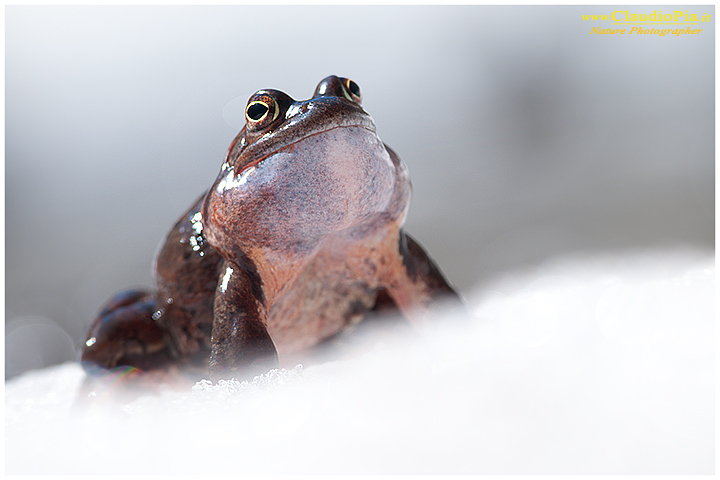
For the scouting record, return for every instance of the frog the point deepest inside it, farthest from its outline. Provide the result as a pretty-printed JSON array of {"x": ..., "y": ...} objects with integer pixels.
[{"x": 300, "y": 237}]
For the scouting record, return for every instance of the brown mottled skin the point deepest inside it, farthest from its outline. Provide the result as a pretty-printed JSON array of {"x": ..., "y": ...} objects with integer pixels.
[{"x": 297, "y": 238}]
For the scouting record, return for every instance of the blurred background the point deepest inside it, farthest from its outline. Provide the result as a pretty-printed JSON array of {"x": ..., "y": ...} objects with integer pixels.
[{"x": 526, "y": 137}]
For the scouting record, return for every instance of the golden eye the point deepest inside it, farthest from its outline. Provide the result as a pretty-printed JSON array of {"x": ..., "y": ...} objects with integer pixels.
[
  {"x": 262, "y": 111},
  {"x": 351, "y": 90}
]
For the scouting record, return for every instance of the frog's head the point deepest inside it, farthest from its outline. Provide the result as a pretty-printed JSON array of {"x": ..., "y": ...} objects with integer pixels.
[{"x": 300, "y": 170}]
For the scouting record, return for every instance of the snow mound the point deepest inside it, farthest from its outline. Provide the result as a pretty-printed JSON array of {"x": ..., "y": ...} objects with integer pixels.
[{"x": 584, "y": 365}]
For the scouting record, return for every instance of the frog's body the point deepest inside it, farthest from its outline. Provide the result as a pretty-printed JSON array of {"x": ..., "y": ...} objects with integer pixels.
[{"x": 295, "y": 240}]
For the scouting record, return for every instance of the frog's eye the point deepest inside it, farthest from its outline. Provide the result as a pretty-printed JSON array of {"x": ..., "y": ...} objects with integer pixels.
[
  {"x": 256, "y": 111},
  {"x": 266, "y": 109},
  {"x": 351, "y": 90},
  {"x": 262, "y": 110}
]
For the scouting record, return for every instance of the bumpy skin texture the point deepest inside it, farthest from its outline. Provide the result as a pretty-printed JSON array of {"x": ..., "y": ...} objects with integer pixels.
[{"x": 297, "y": 238}]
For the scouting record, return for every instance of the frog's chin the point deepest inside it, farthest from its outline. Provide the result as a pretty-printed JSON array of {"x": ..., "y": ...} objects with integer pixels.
[{"x": 254, "y": 163}]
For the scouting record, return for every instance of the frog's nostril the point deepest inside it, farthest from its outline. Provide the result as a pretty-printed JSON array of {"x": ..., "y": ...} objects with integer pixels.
[{"x": 256, "y": 111}]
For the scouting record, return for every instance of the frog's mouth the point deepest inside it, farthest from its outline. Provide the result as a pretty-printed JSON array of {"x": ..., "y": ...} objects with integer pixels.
[{"x": 303, "y": 121}]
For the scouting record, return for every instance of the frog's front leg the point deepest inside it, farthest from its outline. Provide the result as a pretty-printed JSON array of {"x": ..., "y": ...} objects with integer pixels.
[
  {"x": 417, "y": 284},
  {"x": 241, "y": 344}
]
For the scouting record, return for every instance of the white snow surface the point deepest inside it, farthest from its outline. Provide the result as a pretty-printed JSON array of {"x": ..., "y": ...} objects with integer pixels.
[{"x": 598, "y": 364}]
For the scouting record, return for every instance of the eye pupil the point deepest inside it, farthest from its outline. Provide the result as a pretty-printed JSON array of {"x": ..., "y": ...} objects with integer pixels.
[
  {"x": 353, "y": 87},
  {"x": 257, "y": 110}
]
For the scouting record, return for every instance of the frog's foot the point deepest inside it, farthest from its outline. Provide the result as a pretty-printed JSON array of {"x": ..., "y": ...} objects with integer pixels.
[{"x": 124, "y": 334}]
